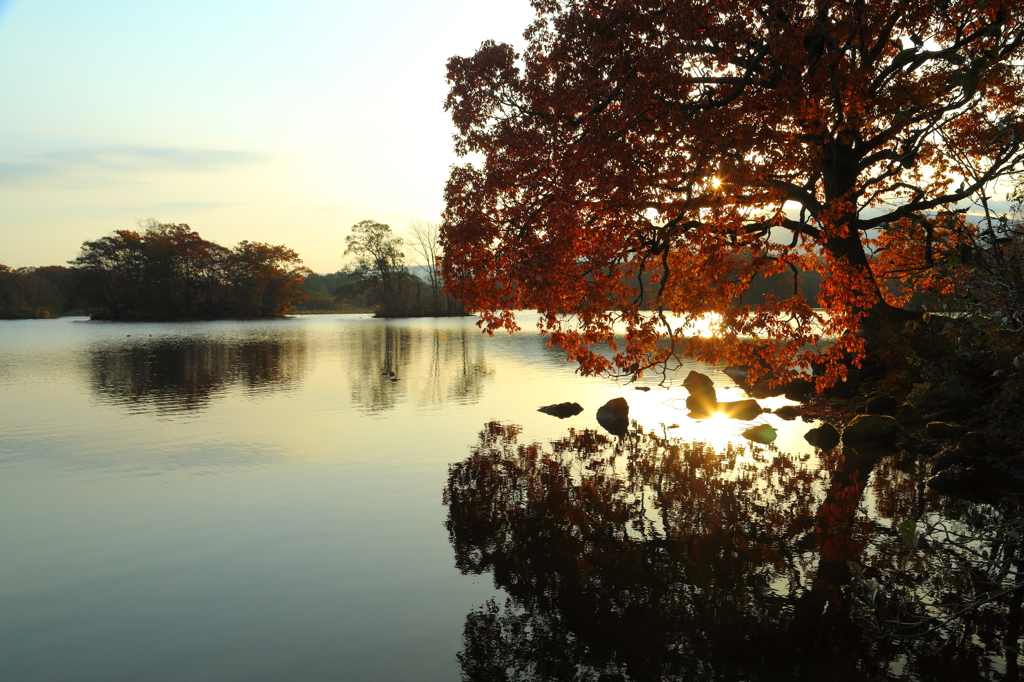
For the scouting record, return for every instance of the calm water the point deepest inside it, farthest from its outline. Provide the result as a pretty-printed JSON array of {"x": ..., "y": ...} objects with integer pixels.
[{"x": 260, "y": 501}]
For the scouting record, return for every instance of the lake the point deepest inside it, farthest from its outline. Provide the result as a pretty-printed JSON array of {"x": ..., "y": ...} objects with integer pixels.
[{"x": 342, "y": 498}]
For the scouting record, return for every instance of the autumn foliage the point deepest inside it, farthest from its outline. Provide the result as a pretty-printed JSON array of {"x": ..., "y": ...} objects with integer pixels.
[{"x": 642, "y": 138}]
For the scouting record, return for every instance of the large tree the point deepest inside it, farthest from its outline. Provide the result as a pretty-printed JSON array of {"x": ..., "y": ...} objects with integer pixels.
[
  {"x": 380, "y": 261},
  {"x": 698, "y": 143}
]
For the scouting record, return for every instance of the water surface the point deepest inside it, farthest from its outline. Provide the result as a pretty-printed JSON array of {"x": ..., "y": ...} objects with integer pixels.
[{"x": 342, "y": 498}]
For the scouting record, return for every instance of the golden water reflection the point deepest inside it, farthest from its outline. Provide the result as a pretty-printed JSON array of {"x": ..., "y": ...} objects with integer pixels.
[
  {"x": 652, "y": 558},
  {"x": 179, "y": 374},
  {"x": 384, "y": 364},
  {"x": 392, "y": 363}
]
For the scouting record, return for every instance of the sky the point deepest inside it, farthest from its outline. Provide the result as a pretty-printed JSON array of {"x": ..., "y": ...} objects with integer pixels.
[{"x": 277, "y": 122}]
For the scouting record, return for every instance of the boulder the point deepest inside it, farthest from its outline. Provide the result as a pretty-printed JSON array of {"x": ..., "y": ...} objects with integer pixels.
[
  {"x": 788, "y": 412},
  {"x": 824, "y": 437},
  {"x": 871, "y": 428},
  {"x": 616, "y": 408},
  {"x": 562, "y": 410},
  {"x": 702, "y": 401},
  {"x": 799, "y": 390},
  {"x": 696, "y": 380},
  {"x": 614, "y": 416},
  {"x": 907, "y": 414},
  {"x": 943, "y": 430},
  {"x": 880, "y": 403},
  {"x": 762, "y": 433},
  {"x": 740, "y": 409},
  {"x": 951, "y": 457}
]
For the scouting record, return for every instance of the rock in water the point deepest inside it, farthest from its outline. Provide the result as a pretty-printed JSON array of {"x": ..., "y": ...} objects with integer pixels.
[
  {"x": 825, "y": 437},
  {"x": 702, "y": 401},
  {"x": 740, "y": 409},
  {"x": 871, "y": 428},
  {"x": 614, "y": 416},
  {"x": 562, "y": 410},
  {"x": 616, "y": 408},
  {"x": 762, "y": 433},
  {"x": 696, "y": 380},
  {"x": 788, "y": 412}
]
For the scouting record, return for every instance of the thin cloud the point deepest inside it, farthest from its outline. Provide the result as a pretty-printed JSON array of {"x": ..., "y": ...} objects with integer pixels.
[{"x": 127, "y": 160}]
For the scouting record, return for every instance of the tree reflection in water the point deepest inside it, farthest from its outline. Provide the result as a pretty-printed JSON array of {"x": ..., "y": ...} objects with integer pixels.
[
  {"x": 646, "y": 558},
  {"x": 436, "y": 366},
  {"x": 183, "y": 374}
]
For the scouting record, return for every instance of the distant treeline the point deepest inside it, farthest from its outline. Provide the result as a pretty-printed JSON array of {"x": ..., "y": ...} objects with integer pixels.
[
  {"x": 35, "y": 292},
  {"x": 170, "y": 272},
  {"x": 415, "y": 295},
  {"x": 335, "y": 292},
  {"x": 166, "y": 272}
]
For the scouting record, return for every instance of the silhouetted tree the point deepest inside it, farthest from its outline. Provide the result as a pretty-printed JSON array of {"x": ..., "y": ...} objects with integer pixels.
[
  {"x": 380, "y": 261},
  {"x": 28, "y": 293},
  {"x": 170, "y": 272}
]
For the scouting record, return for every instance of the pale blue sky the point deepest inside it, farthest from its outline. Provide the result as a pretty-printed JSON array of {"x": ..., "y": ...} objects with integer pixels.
[{"x": 278, "y": 122}]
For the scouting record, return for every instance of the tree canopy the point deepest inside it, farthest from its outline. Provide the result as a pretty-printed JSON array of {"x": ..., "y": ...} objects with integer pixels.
[
  {"x": 643, "y": 137},
  {"x": 169, "y": 272},
  {"x": 381, "y": 268},
  {"x": 379, "y": 259}
]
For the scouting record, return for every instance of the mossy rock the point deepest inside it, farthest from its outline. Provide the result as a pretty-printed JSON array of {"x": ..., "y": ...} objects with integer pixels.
[
  {"x": 944, "y": 430},
  {"x": 881, "y": 403},
  {"x": 907, "y": 414},
  {"x": 943, "y": 416},
  {"x": 788, "y": 412},
  {"x": 825, "y": 436},
  {"x": 951, "y": 457},
  {"x": 871, "y": 428}
]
